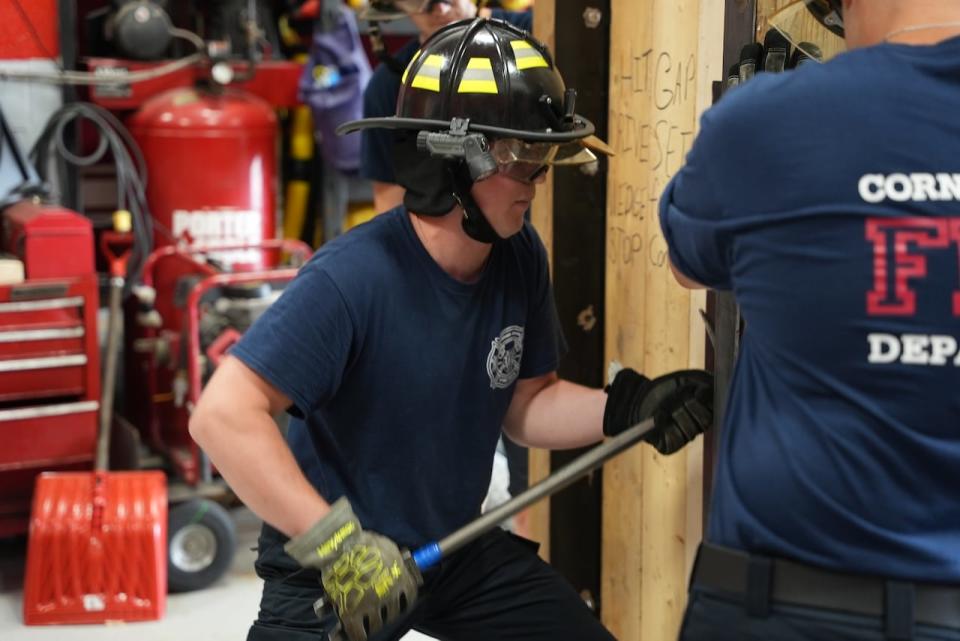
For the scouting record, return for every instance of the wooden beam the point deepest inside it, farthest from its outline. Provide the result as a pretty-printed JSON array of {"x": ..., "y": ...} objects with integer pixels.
[
  {"x": 664, "y": 56},
  {"x": 542, "y": 218}
]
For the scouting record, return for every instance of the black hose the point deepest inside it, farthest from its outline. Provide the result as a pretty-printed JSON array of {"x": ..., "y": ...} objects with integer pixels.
[{"x": 130, "y": 165}]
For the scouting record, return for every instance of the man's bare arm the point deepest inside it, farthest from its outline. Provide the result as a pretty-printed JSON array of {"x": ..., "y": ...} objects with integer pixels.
[
  {"x": 233, "y": 423},
  {"x": 554, "y": 414}
]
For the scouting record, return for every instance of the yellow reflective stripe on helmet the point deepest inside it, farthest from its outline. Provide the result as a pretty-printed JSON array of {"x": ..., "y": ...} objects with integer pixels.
[
  {"x": 527, "y": 57},
  {"x": 478, "y": 77},
  {"x": 428, "y": 76},
  {"x": 406, "y": 71}
]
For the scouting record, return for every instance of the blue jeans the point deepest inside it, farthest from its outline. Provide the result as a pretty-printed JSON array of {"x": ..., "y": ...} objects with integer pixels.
[{"x": 712, "y": 618}]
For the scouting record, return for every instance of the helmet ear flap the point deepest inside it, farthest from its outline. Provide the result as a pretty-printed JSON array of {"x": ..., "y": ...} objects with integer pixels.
[{"x": 426, "y": 179}]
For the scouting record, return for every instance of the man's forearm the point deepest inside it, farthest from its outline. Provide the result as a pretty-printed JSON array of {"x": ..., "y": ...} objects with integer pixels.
[
  {"x": 253, "y": 457},
  {"x": 562, "y": 415}
]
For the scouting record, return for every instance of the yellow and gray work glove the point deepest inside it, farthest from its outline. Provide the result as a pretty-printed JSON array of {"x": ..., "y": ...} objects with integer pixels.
[{"x": 366, "y": 578}]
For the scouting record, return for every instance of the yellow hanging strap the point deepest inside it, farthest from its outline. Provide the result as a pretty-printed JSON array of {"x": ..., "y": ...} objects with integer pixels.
[{"x": 297, "y": 196}]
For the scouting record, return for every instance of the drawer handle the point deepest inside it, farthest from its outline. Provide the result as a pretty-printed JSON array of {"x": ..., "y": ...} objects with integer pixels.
[
  {"x": 61, "y": 409},
  {"x": 37, "y": 305},
  {"x": 17, "y": 336},
  {"x": 46, "y": 362}
]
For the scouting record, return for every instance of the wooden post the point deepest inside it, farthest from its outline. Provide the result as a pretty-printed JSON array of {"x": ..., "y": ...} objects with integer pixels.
[
  {"x": 542, "y": 217},
  {"x": 665, "y": 54}
]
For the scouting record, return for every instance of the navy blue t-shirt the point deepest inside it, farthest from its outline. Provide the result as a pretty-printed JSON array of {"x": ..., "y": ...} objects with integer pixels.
[
  {"x": 380, "y": 100},
  {"x": 403, "y": 374},
  {"x": 828, "y": 200}
]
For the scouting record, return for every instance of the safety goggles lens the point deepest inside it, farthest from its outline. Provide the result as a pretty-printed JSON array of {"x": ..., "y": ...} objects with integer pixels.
[
  {"x": 525, "y": 172},
  {"x": 511, "y": 150}
]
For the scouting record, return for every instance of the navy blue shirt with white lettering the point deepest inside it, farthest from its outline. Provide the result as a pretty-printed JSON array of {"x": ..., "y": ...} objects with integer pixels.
[
  {"x": 828, "y": 200},
  {"x": 380, "y": 101},
  {"x": 400, "y": 374}
]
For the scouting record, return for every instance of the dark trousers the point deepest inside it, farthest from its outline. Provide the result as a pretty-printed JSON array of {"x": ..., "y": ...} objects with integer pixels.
[
  {"x": 494, "y": 588},
  {"x": 712, "y": 618},
  {"x": 737, "y": 596}
]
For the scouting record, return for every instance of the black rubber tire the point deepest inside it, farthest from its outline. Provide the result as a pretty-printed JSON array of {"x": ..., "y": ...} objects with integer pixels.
[{"x": 207, "y": 523}]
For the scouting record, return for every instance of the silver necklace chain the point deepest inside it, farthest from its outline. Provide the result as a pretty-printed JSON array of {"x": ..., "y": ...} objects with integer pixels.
[{"x": 921, "y": 27}]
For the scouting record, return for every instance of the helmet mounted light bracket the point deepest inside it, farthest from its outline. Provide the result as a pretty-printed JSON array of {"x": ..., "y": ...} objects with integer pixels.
[
  {"x": 569, "y": 106},
  {"x": 566, "y": 120},
  {"x": 458, "y": 143}
]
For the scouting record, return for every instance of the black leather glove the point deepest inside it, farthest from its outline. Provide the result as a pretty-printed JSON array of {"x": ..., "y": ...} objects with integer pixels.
[
  {"x": 681, "y": 404},
  {"x": 368, "y": 581}
]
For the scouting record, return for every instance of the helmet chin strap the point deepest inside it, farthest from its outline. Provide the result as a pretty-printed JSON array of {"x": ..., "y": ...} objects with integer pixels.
[{"x": 475, "y": 223}]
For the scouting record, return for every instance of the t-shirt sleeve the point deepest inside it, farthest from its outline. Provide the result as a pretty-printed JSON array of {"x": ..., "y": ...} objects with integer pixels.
[
  {"x": 301, "y": 345},
  {"x": 543, "y": 342},
  {"x": 376, "y": 145},
  {"x": 692, "y": 216}
]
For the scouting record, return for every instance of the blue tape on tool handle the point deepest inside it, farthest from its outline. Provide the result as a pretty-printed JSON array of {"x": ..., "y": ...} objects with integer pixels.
[{"x": 427, "y": 556}]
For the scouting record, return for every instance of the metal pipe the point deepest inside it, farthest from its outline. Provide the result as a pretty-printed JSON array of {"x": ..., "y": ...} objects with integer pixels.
[
  {"x": 430, "y": 554},
  {"x": 109, "y": 374}
]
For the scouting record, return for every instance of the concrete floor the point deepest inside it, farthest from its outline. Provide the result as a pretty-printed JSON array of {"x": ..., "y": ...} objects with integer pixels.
[{"x": 222, "y": 612}]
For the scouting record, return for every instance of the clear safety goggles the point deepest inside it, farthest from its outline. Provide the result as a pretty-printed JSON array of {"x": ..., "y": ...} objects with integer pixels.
[
  {"x": 527, "y": 161},
  {"x": 805, "y": 33}
]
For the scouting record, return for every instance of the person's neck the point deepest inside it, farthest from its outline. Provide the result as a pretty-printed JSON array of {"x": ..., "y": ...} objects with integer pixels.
[
  {"x": 929, "y": 34},
  {"x": 920, "y": 24},
  {"x": 460, "y": 256}
]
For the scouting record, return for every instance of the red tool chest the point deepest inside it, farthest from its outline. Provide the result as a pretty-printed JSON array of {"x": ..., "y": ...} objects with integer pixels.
[
  {"x": 52, "y": 242},
  {"x": 49, "y": 354}
]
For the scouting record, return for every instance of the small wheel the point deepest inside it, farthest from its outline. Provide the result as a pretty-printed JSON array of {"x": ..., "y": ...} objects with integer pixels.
[{"x": 201, "y": 542}]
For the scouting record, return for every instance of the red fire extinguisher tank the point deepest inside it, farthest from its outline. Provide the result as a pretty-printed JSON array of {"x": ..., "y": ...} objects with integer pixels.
[{"x": 211, "y": 168}]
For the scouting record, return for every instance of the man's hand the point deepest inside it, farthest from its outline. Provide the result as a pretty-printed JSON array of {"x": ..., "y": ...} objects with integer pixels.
[
  {"x": 366, "y": 578},
  {"x": 681, "y": 404}
]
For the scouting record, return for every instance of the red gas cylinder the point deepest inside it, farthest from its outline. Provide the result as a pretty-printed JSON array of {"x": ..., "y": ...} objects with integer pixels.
[{"x": 211, "y": 170}]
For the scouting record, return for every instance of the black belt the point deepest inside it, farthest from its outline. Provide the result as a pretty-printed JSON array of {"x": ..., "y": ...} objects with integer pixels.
[{"x": 758, "y": 581}]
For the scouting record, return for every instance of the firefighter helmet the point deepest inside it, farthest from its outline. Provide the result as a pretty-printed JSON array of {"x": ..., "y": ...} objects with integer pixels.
[
  {"x": 480, "y": 80},
  {"x": 480, "y": 97}
]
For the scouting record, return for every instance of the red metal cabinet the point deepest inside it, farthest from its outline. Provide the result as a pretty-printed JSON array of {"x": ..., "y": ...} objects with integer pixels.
[{"x": 49, "y": 386}]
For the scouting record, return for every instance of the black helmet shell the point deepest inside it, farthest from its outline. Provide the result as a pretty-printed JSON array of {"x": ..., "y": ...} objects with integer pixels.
[
  {"x": 488, "y": 71},
  {"x": 492, "y": 74}
]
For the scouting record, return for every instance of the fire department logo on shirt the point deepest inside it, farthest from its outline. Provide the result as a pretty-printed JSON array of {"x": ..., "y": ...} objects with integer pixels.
[{"x": 503, "y": 362}]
